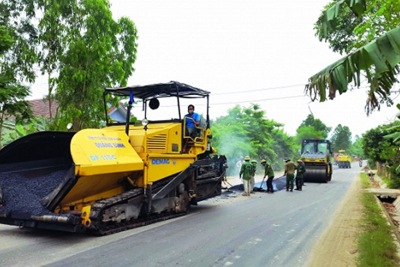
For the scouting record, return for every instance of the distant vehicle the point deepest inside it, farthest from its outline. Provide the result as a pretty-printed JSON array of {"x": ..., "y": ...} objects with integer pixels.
[{"x": 343, "y": 160}]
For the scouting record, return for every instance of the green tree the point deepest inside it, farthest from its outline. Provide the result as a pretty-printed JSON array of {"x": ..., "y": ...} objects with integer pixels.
[
  {"x": 341, "y": 138},
  {"x": 347, "y": 28},
  {"x": 378, "y": 147},
  {"x": 18, "y": 60},
  {"x": 79, "y": 46},
  {"x": 284, "y": 146},
  {"x": 6, "y": 40},
  {"x": 382, "y": 146},
  {"x": 246, "y": 131},
  {"x": 394, "y": 137},
  {"x": 339, "y": 36},
  {"x": 53, "y": 37},
  {"x": 12, "y": 93},
  {"x": 357, "y": 147},
  {"x": 228, "y": 130},
  {"x": 312, "y": 128},
  {"x": 12, "y": 105},
  {"x": 93, "y": 51},
  {"x": 370, "y": 33}
]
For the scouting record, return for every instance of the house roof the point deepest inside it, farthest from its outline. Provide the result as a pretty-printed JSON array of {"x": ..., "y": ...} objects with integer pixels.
[{"x": 40, "y": 107}]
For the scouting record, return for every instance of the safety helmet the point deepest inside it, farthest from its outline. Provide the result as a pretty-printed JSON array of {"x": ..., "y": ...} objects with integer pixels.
[
  {"x": 246, "y": 158},
  {"x": 299, "y": 160},
  {"x": 254, "y": 161},
  {"x": 263, "y": 161}
]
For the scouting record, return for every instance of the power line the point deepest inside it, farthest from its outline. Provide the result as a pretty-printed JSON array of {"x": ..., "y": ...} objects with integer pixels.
[
  {"x": 258, "y": 100},
  {"x": 261, "y": 89}
]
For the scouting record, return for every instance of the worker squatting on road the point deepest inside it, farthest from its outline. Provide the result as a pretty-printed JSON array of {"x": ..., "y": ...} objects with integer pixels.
[
  {"x": 300, "y": 170},
  {"x": 290, "y": 168},
  {"x": 268, "y": 171},
  {"x": 246, "y": 171}
]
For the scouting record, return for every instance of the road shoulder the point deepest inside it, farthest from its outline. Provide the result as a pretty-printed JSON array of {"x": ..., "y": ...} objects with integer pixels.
[{"x": 337, "y": 246}]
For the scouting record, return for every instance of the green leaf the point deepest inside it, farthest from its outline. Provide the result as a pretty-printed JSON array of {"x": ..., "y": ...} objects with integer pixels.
[
  {"x": 380, "y": 62},
  {"x": 358, "y": 6}
]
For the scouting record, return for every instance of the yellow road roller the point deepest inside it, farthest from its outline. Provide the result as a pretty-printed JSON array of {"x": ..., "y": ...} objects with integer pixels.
[{"x": 316, "y": 155}]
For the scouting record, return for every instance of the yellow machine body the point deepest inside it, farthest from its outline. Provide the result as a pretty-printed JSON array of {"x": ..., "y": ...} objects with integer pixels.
[
  {"x": 101, "y": 158},
  {"x": 106, "y": 179}
]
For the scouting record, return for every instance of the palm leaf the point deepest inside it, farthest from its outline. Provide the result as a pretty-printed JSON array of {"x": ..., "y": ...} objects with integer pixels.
[{"x": 378, "y": 61}]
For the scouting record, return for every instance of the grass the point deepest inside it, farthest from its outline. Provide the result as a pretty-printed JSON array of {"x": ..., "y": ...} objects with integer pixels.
[{"x": 376, "y": 243}]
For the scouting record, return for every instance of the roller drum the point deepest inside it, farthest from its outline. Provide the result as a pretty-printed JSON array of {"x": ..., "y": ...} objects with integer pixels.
[{"x": 316, "y": 173}]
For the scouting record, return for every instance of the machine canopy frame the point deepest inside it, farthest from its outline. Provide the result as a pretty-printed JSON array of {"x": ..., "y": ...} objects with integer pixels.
[{"x": 151, "y": 92}]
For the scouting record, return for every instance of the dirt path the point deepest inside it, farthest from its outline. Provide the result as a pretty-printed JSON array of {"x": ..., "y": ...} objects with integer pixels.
[{"x": 337, "y": 246}]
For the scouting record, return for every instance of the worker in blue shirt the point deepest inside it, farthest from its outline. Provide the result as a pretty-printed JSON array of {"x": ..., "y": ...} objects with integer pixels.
[{"x": 192, "y": 121}]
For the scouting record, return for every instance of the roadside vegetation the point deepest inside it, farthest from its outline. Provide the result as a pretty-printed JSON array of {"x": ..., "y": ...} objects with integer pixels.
[{"x": 376, "y": 244}]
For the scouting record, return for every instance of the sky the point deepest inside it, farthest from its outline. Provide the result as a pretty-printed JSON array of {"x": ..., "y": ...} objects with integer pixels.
[{"x": 244, "y": 52}]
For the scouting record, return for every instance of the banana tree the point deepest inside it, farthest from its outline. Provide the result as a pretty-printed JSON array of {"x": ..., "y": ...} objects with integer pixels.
[{"x": 377, "y": 61}]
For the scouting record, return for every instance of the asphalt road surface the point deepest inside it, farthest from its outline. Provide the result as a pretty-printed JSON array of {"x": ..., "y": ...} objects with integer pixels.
[{"x": 277, "y": 229}]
